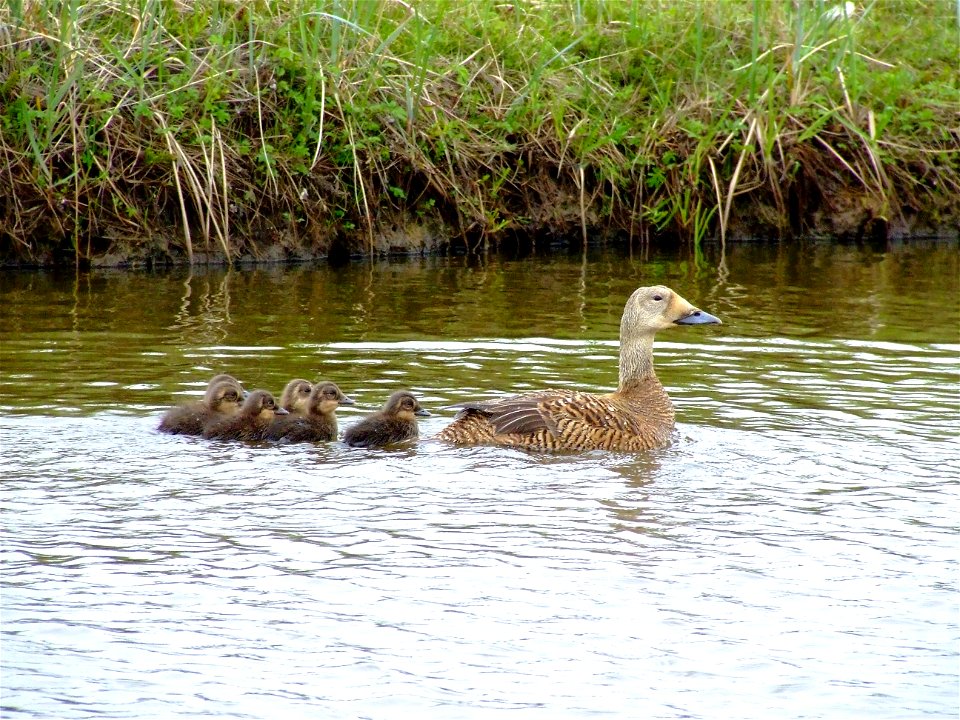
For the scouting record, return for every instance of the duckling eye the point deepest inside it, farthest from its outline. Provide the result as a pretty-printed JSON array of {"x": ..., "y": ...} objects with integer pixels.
[{"x": 658, "y": 298}]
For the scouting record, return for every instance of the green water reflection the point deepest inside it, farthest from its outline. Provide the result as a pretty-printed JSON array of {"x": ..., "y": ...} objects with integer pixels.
[{"x": 133, "y": 340}]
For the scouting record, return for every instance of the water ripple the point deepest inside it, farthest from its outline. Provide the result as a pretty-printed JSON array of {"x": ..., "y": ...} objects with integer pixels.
[{"x": 798, "y": 538}]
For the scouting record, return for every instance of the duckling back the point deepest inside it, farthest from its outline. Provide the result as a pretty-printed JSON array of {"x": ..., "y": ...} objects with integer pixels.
[
  {"x": 293, "y": 428},
  {"x": 221, "y": 400},
  {"x": 258, "y": 411},
  {"x": 318, "y": 424},
  {"x": 379, "y": 430}
]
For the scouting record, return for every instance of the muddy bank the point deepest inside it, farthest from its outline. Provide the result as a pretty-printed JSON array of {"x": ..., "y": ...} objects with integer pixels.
[{"x": 844, "y": 215}]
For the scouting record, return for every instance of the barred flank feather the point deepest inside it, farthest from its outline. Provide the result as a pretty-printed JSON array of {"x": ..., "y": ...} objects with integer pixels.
[{"x": 568, "y": 420}]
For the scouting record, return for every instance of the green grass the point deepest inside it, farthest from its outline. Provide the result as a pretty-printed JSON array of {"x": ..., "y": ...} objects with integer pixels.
[{"x": 219, "y": 128}]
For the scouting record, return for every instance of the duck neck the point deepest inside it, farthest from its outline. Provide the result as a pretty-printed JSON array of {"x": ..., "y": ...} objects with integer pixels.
[{"x": 636, "y": 362}]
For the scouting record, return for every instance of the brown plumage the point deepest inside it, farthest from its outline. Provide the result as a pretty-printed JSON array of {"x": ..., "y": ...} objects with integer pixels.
[
  {"x": 638, "y": 415},
  {"x": 396, "y": 422},
  {"x": 222, "y": 399},
  {"x": 318, "y": 423},
  {"x": 258, "y": 411},
  {"x": 295, "y": 397}
]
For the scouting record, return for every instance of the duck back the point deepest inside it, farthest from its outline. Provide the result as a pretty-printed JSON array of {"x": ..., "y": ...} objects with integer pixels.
[{"x": 551, "y": 420}]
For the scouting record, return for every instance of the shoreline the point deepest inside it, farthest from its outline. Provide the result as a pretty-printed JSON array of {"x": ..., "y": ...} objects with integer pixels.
[{"x": 220, "y": 132}]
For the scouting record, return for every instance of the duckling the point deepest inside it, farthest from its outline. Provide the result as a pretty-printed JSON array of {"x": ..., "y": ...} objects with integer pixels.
[
  {"x": 638, "y": 415},
  {"x": 319, "y": 422},
  {"x": 295, "y": 398},
  {"x": 258, "y": 411},
  {"x": 222, "y": 399},
  {"x": 396, "y": 422}
]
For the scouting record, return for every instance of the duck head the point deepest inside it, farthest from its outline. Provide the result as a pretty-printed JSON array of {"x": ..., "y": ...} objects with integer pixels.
[{"x": 658, "y": 307}]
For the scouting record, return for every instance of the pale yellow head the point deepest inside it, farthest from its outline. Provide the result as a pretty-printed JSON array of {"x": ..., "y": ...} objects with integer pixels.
[{"x": 648, "y": 310}]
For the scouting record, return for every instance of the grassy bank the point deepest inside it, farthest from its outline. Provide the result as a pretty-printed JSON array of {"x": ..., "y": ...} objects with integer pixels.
[{"x": 222, "y": 129}]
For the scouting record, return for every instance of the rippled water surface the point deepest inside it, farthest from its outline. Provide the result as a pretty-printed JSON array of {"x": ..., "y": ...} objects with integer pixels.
[{"x": 793, "y": 554}]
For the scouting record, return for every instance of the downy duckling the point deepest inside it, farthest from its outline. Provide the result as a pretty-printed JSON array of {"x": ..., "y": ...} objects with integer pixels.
[
  {"x": 320, "y": 421},
  {"x": 222, "y": 399},
  {"x": 258, "y": 411},
  {"x": 638, "y": 415},
  {"x": 295, "y": 398},
  {"x": 395, "y": 423}
]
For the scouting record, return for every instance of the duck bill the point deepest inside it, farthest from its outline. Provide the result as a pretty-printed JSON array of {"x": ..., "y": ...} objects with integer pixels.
[
  {"x": 347, "y": 400},
  {"x": 698, "y": 317},
  {"x": 281, "y": 411},
  {"x": 421, "y": 412}
]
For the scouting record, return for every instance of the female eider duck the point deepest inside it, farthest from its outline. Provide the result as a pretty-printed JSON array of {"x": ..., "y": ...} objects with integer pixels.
[
  {"x": 258, "y": 411},
  {"x": 318, "y": 423},
  {"x": 396, "y": 422},
  {"x": 638, "y": 415},
  {"x": 222, "y": 399}
]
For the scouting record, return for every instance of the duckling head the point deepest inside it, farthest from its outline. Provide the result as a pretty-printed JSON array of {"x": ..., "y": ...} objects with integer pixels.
[
  {"x": 296, "y": 396},
  {"x": 326, "y": 397},
  {"x": 222, "y": 377},
  {"x": 224, "y": 397},
  {"x": 261, "y": 405},
  {"x": 404, "y": 404}
]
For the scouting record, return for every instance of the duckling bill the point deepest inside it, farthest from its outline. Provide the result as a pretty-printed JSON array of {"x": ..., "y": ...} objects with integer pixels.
[
  {"x": 638, "y": 415},
  {"x": 394, "y": 423}
]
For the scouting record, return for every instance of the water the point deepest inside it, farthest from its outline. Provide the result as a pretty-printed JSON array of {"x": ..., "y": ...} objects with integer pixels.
[{"x": 793, "y": 554}]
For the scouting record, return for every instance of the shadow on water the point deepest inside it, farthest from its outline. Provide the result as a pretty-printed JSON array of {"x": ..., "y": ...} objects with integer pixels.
[{"x": 797, "y": 538}]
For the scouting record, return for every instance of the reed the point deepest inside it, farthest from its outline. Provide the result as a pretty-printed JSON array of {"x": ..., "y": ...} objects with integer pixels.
[{"x": 221, "y": 129}]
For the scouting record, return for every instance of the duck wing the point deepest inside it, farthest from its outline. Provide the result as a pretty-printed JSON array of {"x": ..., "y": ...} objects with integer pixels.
[
  {"x": 565, "y": 420},
  {"x": 527, "y": 413}
]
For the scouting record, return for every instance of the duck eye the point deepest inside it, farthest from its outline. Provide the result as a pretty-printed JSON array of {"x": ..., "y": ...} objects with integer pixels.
[{"x": 658, "y": 298}]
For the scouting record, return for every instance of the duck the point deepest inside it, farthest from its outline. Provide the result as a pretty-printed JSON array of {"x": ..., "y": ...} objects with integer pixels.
[
  {"x": 222, "y": 399},
  {"x": 319, "y": 423},
  {"x": 295, "y": 398},
  {"x": 395, "y": 422},
  {"x": 256, "y": 414},
  {"x": 637, "y": 416}
]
